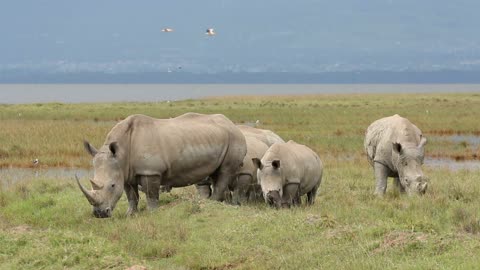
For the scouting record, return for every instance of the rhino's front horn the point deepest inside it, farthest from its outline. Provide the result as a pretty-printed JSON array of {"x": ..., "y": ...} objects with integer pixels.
[{"x": 90, "y": 195}]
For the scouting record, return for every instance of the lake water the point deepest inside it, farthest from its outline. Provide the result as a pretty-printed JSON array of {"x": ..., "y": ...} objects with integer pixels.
[{"x": 72, "y": 93}]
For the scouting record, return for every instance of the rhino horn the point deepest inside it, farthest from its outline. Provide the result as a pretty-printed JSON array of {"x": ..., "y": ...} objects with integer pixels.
[
  {"x": 89, "y": 194},
  {"x": 95, "y": 186}
]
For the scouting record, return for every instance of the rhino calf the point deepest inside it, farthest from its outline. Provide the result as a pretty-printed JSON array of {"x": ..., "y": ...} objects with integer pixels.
[
  {"x": 396, "y": 148},
  {"x": 287, "y": 171}
]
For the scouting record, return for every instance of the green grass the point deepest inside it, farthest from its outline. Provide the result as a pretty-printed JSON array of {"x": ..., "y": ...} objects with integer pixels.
[{"x": 47, "y": 223}]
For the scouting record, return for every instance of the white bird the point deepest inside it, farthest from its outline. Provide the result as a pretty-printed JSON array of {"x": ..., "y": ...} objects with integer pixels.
[
  {"x": 167, "y": 30},
  {"x": 210, "y": 32},
  {"x": 35, "y": 161}
]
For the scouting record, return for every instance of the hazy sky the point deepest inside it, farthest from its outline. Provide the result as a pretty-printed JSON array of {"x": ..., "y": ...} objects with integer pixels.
[{"x": 268, "y": 34}]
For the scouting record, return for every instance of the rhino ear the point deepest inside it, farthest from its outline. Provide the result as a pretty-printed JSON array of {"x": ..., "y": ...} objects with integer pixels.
[
  {"x": 276, "y": 164},
  {"x": 89, "y": 148},
  {"x": 258, "y": 164},
  {"x": 423, "y": 142},
  {"x": 397, "y": 147},
  {"x": 113, "y": 148}
]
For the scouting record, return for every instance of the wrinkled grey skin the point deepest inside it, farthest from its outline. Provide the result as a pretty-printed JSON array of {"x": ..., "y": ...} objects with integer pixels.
[
  {"x": 155, "y": 153},
  {"x": 245, "y": 187},
  {"x": 286, "y": 172},
  {"x": 396, "y": 148},
  {"x": 266, "y": 136}
]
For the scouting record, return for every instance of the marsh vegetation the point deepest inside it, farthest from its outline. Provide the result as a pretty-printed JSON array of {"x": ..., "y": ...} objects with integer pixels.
[{"x": 46, "y": 222}]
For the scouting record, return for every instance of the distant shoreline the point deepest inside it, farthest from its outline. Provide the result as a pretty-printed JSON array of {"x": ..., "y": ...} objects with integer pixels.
[
  {"x": 94, "y": 93},
  {"x": 347, "y": 77}
]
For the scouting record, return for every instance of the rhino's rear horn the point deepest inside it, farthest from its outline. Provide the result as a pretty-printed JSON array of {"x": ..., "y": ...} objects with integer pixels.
[
  {"x": 90, "y": 195},
  {"x": 95, "y": 186}
]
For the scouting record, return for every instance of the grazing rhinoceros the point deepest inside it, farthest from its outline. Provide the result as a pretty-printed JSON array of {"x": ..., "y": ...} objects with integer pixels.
[
  {"x": 245, "y": 187},
  {"x": 395, "y": 148},
  {"x": 175, "y": 152},
  {"x": 287, "y": 171},
  {"x": 266, "y": 136}
]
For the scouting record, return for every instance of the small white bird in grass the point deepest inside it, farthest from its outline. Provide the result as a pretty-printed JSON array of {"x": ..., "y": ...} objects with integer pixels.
[
  {"x": 167, "y": 30},
  {"x": 35, "y": 162},
  {"x": 210, "y": 32}
]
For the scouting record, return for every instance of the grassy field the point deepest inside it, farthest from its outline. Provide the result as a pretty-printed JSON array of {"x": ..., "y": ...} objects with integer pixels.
[{"x": 47, "y": 223}]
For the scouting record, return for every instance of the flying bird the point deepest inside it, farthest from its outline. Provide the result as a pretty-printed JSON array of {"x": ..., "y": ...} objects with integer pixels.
[
  {"x": 210, "y": 32},
  {"x": 167, "y": 30}
]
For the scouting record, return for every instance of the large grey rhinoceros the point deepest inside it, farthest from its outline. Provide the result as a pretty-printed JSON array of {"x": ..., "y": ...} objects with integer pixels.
[
  {"x": 287, "y": 171},
  {"x": 395, "y": 148},
  {"x": 175, "y": 152},
  {"x": 268, "y": 137},
  {"x": 245, "y": 187}
]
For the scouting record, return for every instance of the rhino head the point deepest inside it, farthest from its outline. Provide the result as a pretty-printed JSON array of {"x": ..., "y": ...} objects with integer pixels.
[
  {"x": 107, "y": 183},
  {"x": 270, "y": 178},
  {"x": 410, "y": 160}
]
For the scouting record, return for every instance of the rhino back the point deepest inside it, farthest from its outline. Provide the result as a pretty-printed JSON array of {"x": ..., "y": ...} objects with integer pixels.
[
  {"x": 183, "y": 149},
  {"x": 266, "y": 136}
]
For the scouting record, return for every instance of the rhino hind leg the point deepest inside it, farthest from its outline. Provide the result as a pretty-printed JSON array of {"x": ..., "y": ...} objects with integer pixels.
[
  {"x": 133, "y": 197},
  {"x": 311, "y": 195},
  {"x": 220, "y": 185},
  {"x": 381, "y": 175}
]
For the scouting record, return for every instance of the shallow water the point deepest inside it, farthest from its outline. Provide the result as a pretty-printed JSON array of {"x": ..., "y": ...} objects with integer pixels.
[
  {"x": 452, "y": 165},
  {"x": 470, "y": 140},
  {"x": 9, "y": 176},
  {"x": 71, "y": 93}
]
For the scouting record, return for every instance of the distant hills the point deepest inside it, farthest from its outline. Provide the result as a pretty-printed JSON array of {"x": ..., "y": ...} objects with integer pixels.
[{"x": 257, "y": 41}]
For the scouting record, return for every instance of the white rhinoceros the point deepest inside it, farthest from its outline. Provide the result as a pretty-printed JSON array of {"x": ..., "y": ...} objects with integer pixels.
[
  {"x": 176, "y": 152},
  {"x": 245, "y": 187},
  {"x": 287, "y": 171},
  {"x": 395, "y": 148}
]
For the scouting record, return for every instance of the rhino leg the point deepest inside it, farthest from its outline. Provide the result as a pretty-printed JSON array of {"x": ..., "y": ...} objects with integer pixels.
[
  {"x": 241, "y": 189},
  {"x": 398, "y": 185},
  {"x": 381, "y": 175},
  {"x": 132, "y": 196},
  {"x": 220, "y": 185},
  {"x": 151, "y": 187},
  {"x": 311, "y": 195},
  {"x": 255, "y": 194},
  {"x": 290, "y": 195}
]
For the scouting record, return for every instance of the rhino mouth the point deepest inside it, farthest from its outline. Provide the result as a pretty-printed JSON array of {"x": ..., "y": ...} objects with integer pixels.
[
  {"x": 273, "y": 199},
  {"x": 102, "y": 213}
]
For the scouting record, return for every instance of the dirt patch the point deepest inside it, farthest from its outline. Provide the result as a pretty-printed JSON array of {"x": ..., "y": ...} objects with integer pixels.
[
  {"x": 21, "y": 229},
  {"x": 400, "y": 239},
  {"x": 137, "y": 267}
]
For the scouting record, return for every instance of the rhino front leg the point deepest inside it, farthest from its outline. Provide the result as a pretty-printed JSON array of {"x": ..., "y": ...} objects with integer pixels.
[
  {"x": 132, "y": 196},
  {"x": 381, "y": 175},
  {"x": 398, "y": 185},
  {"x": 151, "y": 187},
  {"x": 290, "y": 195}
]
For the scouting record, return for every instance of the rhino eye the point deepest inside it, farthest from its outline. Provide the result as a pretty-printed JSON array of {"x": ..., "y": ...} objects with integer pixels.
[{"x": 113, "y": 185}]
